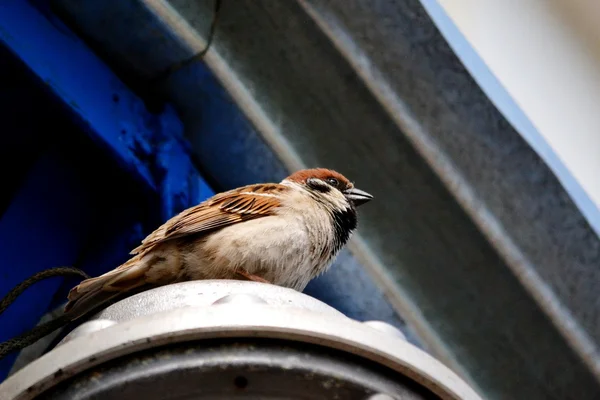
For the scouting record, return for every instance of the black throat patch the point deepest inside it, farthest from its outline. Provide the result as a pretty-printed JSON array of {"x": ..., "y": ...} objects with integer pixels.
[{"x": 344, "y": 222}]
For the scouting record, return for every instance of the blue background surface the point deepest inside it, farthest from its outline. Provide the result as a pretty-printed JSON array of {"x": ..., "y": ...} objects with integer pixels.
[{"x": 87, "y": 169}]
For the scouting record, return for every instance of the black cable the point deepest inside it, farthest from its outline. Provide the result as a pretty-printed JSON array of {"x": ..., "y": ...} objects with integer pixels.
[
  {"x": 211, "y": 34},
  {"x": 48, "y": 273},
  {"x": 32, "y": 336},
  {"x": 38, "y": 332}
]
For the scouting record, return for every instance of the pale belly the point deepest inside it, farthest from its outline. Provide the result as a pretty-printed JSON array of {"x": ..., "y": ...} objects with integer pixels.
[{"x": 273, "y": 248}]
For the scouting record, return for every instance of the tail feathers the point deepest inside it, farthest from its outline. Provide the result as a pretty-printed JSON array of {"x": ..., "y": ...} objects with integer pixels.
[{"x": 95, "y": 292}]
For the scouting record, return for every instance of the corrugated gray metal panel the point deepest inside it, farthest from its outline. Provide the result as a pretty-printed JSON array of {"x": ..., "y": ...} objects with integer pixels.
[
  {"x": 229, "y": 150},
  {"x": 464, "y": 206}
]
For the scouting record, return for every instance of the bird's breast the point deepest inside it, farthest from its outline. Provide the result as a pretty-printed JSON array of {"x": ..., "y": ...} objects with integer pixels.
[{"x": 286, "y": 250}]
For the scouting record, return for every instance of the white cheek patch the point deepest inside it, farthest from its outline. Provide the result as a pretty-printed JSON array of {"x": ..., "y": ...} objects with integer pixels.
[
  {"x": 339, "y": 201},
  {"x": 331, "y": 199}
]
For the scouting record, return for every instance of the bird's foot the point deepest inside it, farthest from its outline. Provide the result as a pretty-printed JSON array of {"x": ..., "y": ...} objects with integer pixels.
[{"x": 251, "y": 277}]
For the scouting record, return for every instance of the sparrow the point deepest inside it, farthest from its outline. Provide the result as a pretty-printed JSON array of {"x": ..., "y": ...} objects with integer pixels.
[{"x": 283, "y": 233}]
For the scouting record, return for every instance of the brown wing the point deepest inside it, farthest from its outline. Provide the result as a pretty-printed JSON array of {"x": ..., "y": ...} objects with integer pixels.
[{"x": 221, "y": 210}]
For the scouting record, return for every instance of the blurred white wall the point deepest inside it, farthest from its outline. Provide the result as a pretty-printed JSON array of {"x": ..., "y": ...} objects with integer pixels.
[{"x": 545, "y": 54}]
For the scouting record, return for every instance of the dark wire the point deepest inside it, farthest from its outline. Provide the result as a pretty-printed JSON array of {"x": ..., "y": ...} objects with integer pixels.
[
  {"x": 211, "y": 34},
  {"x": 48, "y": 273},
  {"x": 33, "y": 335}
]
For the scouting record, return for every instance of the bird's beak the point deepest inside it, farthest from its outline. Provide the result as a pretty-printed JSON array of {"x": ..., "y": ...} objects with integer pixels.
[{"x": 357, "y": 196}]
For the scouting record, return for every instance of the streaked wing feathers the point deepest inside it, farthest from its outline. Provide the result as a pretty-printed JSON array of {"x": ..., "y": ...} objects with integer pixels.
[{"x": 221, "y": 210}]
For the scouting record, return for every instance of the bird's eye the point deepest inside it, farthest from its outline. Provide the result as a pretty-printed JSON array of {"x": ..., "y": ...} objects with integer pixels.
[{"x": 332, "y": 181}]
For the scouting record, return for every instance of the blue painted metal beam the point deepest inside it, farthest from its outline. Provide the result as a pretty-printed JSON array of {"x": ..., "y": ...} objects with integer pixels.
[
  {"x": 44, "y": 227},
  {"x": 105, "y": 107},
  {"x": 63, "y": 213},
  {"x": 107, "y": 110}
]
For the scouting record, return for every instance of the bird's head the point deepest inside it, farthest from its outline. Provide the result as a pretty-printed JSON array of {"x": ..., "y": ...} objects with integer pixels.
[{"x": 330, "y": 187}]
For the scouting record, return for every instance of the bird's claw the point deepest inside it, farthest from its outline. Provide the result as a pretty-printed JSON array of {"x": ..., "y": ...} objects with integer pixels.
[{"x": 251, "y": 277}]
